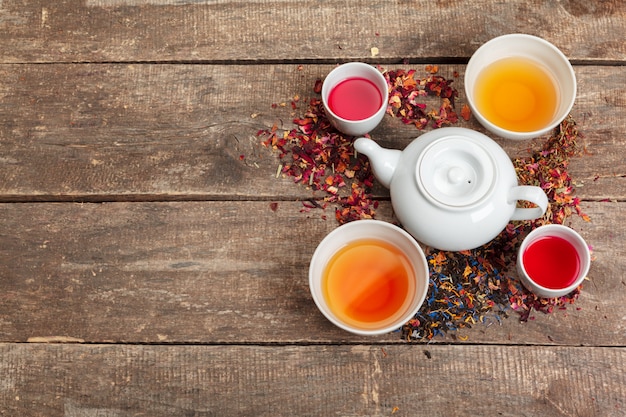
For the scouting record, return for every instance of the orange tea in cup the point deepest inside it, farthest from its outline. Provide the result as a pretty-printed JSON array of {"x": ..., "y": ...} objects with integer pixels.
[
  {"x": 368, "y": 277},
  {"x": 368, "y": 283},
  {"x": 517, "y": 94}
]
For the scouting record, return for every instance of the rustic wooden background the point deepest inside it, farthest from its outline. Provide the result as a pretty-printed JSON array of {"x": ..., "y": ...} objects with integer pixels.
[{"x": 143, "y": 272}]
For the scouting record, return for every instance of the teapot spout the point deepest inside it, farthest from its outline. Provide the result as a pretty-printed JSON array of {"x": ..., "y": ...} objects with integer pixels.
[{"x": 383, "y": 161}]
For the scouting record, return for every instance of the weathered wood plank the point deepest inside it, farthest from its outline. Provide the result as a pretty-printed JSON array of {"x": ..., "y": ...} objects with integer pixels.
[
  {"x": 145, "y": 132},
  {"x": 125, "y": 380},
  {"x": 202, "y": 308},
  {"x": 168, "y": 30},
  {"x": 230, "y": 272}
]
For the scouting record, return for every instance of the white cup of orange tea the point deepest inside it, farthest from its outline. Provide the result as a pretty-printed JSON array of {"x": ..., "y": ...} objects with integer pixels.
[
  {"x": 553, "y": 260},
  {"x": 368, "y": 277},
  {"x": 519, "y": 86},
  {"x": 354, "y": 96}
]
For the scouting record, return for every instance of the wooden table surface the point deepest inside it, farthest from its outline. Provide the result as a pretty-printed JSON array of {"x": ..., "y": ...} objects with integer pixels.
[{"x": 152, "y": 263}]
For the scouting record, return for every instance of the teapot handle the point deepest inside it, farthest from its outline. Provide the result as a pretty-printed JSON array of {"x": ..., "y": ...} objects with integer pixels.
[{"x": 528, "y": 193}]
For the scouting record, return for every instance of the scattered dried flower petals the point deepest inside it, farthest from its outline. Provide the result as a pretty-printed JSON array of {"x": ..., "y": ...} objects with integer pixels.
[
  {"x": 406, "y": 94},
  {"x": 317, "y": 155}
]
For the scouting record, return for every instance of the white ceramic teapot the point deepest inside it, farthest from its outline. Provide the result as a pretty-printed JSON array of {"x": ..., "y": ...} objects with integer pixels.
[{"x": 452, "y": 188}]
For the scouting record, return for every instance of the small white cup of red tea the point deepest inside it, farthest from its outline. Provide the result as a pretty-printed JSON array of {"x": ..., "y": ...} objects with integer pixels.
[
  {"x": 354, "y": 96},
  {"x": 368, "y": 277},
  {"x": 519, "y": 86},
  {"x": 553, "y": 260}
]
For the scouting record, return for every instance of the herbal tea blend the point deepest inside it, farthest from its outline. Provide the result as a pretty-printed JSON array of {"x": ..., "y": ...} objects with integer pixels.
[{"x": 467, "y": 287}]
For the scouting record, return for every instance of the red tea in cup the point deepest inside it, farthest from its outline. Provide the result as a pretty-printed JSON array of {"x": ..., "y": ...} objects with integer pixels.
[
  {"x": 355, "y": 98},
  {"x": 552, "y": 262}
]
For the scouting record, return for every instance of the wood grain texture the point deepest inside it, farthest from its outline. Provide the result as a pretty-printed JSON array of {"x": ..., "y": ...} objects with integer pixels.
[
  {"x": 384, "y": 380},
  {"x": 296, "y": 31},
  {"x": 231, "y": 272},
  {"x": 171, "y": 132},
  {"x": 177, "y": 290}
]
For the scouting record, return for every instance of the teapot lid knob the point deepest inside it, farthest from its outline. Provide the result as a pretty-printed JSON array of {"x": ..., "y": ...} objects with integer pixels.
[
  {"x": 456, "y": 175},
  {"x": 456, "y": 171}
]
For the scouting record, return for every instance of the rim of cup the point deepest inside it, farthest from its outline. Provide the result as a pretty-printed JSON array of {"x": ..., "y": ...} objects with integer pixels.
[
  {"x": 574, "y": 238},
  {"x": 369, "y": 229},
  {"x": 536, "y": 49},
  {"x": 350, "y": 70}
]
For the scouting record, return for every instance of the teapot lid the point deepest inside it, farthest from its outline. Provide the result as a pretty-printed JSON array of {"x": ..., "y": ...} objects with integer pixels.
[{"x": 456, "y": 171}]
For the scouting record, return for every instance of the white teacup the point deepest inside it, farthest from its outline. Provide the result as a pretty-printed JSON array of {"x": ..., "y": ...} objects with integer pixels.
[
  {"x": 355, "y": 70},
  {"x": 527, "y": 49},
  {"x": 550, "y": 271},
  {"x": 363, "y": 291}
]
